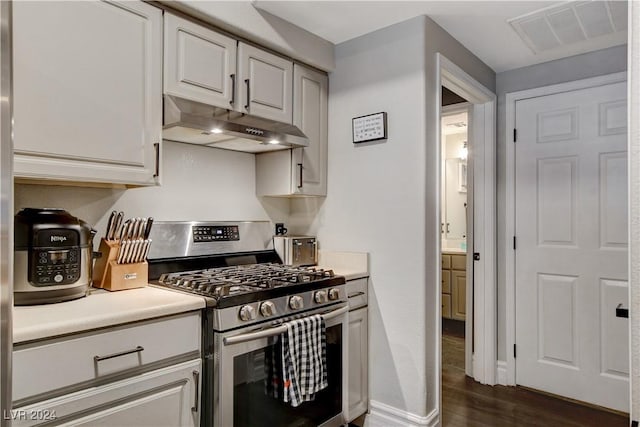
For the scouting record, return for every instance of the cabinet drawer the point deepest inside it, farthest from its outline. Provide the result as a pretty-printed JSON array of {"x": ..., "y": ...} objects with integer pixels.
[
  {"x": 446, "y": 306},
  {"x": 163, "y": 397},
  {"x": 459, "y": 262},
  {"x": 49, "y": 365},
  {"x": 446, "y": 282},
  {"x": 357, "y": 293},
  {"x": 446, "y": 261}
]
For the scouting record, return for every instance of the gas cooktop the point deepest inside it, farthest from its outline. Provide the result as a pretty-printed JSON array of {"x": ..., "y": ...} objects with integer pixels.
[{"x": 240, "y": 284}]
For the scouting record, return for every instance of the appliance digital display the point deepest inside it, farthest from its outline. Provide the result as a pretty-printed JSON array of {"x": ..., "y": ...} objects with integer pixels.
[
  {"x": 58, "y": 256},
  {"x": 215, "y": 233}
]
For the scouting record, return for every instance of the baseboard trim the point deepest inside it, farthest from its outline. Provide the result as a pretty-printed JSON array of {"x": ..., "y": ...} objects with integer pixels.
[
  {"x": 501, "y": 369},
  {"x": 382, "y": 415}
]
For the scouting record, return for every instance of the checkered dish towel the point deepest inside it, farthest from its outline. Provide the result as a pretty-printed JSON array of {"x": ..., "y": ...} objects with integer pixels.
[{"x": 304, "y": 359}]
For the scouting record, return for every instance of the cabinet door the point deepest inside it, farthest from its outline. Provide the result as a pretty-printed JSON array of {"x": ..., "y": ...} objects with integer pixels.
[
  {"x": 164, "y": 397},
  {"x": 199, "y": 64},
  {"x": 459, "y": 262},
  {"x": 446, "y": 306},
  {"x": 446, "y": 281},
  {"x": 310, "y": 92},
  {"x": 87, "y": 90},
  {"x": 458, "y": 294},
  {"x": 265, "y": 84},
  {"x": 358, "y": 363}
]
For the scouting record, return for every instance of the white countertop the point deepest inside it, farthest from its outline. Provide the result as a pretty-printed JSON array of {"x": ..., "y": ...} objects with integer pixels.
[
  {"x": 454, "y": 251},
  {"x": 352, "y": 265},
  {"x": 99, "y": 309}
]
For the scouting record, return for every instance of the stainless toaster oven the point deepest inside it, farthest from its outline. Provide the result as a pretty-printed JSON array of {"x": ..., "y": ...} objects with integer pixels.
[{"x": 296, "y": 250}]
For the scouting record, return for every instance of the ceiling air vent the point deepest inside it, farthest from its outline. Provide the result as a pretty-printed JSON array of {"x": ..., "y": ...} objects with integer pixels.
[{"x": 573, "y": 23}]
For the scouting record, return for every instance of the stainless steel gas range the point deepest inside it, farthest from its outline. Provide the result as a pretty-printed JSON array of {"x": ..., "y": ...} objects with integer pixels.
[{"x": 250, "y": 295}]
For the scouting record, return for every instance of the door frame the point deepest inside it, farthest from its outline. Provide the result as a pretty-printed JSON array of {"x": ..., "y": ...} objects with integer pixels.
[
  {"x": 633, "y": 54},
  {"x": 481, "y": 309},
  {"x": 507, "y": 374}
]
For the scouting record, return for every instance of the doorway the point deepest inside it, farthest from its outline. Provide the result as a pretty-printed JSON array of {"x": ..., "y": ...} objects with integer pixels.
[
  {"x": 454, "y": 213},
  {"x": 480, "y": 271}
]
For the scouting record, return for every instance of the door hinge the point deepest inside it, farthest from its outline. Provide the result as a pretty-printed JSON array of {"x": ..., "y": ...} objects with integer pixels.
[
  {"x": 514, "y": 351},
  {"x": 515, "y": 134},
  {"x": 514, "y": 243},
  {"x": 476, "y": 256}
]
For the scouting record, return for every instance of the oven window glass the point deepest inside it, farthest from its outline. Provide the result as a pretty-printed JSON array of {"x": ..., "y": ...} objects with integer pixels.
[{"x": 254, "y": 405}]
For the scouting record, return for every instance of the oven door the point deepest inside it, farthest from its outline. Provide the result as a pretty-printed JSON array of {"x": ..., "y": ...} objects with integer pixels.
[{"x": 240, "y": 396}]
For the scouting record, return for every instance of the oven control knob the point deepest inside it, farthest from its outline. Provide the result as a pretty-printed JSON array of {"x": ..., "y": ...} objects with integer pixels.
[
  {"x": 320, "y": 297},
  {"x": 247, "y": 313},
  {"x": 296, "y": 302},
  {"x": 267, "y": 309},
  {"x": 334, "y": 294}
]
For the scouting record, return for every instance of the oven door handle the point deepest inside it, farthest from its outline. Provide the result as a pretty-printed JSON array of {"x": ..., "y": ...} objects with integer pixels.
[{"x": 276, "y": 330}]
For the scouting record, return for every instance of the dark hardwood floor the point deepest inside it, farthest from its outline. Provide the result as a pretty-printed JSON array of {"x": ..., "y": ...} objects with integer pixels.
[{"x": 468, "y": 403}]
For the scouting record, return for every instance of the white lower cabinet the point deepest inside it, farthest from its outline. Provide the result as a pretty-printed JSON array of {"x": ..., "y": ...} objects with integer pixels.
[
  {"x": 163, "y": 397},
  {"x": 140, "y": 374},
  {"x": 358, "y": 363}
]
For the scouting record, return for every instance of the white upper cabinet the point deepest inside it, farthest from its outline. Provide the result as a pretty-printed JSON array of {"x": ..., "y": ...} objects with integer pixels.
[
  {"x": 205, "y": 66},
  {"x": 300, "y": 171},
  {"x": 265, "y": 83},
  {"x": 310, "y": 108},
  {"x": 199, "y": 64},
  {"x": 87, "y": 91}
]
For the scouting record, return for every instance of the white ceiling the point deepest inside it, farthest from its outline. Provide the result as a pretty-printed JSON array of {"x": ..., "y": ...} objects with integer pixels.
[{"x": 481, "y": 26}]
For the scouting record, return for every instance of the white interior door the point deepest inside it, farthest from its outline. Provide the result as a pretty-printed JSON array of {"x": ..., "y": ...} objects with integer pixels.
[{"x": 571, "y": 257}]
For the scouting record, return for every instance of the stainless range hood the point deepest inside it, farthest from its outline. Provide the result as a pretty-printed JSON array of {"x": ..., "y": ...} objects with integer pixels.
[{"x": 196, "y": 123}]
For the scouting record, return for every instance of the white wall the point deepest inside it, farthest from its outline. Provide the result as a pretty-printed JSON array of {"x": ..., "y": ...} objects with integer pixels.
[
  {"x": 453, "y": 200},
  {"x": 198, "y": 183},
  {"x": 382, "y": 199},
  {"x": 577, "y": 67}
]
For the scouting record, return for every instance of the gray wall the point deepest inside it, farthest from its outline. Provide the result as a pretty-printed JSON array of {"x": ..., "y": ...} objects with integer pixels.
[
  {"x": 577, "y": 67},
  {"x": 382, "y": 198}
]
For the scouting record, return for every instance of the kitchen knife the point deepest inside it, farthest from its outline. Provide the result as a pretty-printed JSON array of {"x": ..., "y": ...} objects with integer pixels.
[
  {"x": 130, "y": 228},
  {"x": 110, "y": 222},
  {"x": 127, "y": 251},
  {"x": 142, "y": 249},
  {"x": 118, "y": 225},
  {"x": 136, "y": 250},
  {"x": 132, "y": 252},
  {"x": 125, "y": 228},
  {"x": 132, "y": 249},
  {"x": 136, "y": 228},
  {"x": 147, "y": 230},
  {"x": 142, "y": 228},
  {"x": 147, "y": 245},
  {"x": 121, "y": 251}
]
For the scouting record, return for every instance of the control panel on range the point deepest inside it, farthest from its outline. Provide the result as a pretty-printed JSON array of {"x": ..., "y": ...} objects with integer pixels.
[{"x": 215, "y": 233}]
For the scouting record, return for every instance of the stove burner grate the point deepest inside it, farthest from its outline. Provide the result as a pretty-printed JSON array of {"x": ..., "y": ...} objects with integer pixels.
[{"x": 226, "y": 281}]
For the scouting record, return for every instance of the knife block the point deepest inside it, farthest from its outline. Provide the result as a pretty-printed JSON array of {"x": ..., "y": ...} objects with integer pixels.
[
  {"x": 109, "y": 275},
  {"x": 126, "y": 276}
]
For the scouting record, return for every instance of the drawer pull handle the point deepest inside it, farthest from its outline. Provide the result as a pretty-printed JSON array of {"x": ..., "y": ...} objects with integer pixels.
[
  {"x": 196, "y": 380},
  {"x": 355, "y": 294},
  {"x": 138, "y": 349}
]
